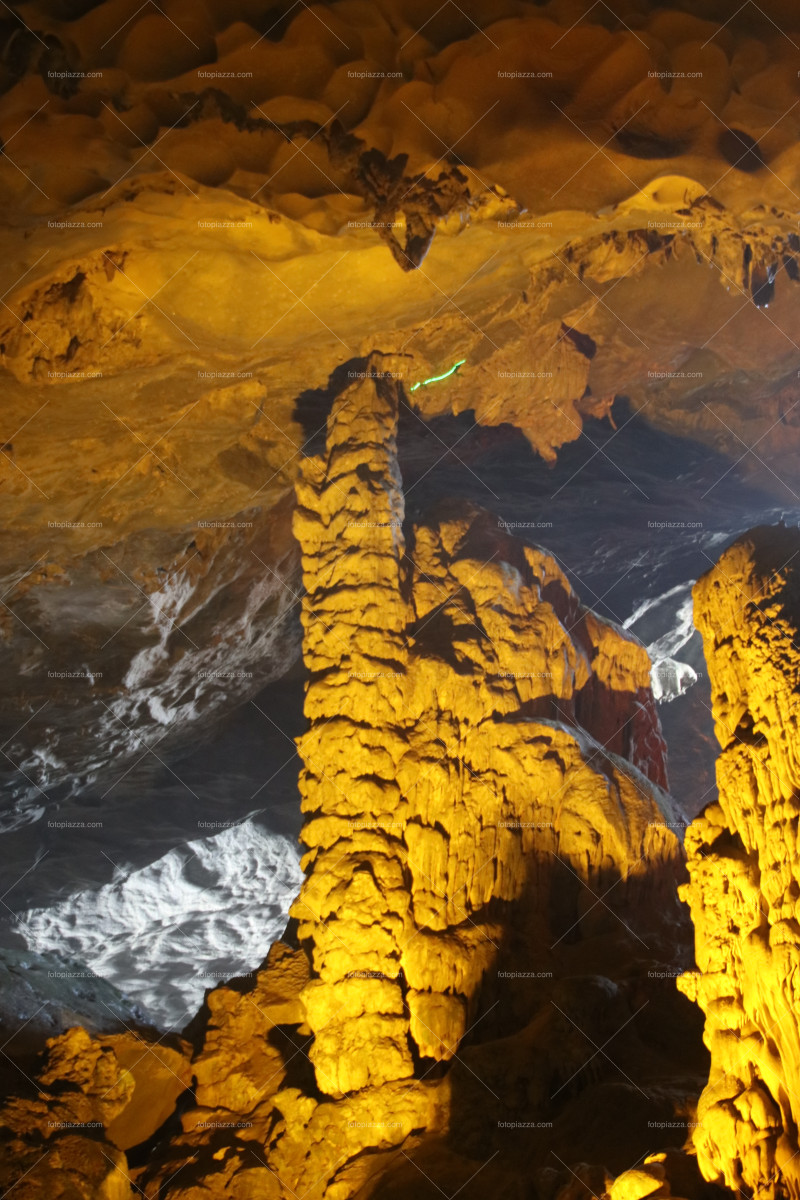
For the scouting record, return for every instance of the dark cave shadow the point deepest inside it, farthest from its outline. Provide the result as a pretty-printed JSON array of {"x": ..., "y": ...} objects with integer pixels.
[{"x": 531, "y": 1095}]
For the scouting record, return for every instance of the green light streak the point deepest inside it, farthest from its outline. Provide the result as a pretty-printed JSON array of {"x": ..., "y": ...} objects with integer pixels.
[{"x": 437, "y": 378}]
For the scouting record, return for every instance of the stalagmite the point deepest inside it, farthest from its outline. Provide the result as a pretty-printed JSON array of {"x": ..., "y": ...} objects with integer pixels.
[
  {"x": 744, "y": 890},
  {"x": 484, "y": 817}
]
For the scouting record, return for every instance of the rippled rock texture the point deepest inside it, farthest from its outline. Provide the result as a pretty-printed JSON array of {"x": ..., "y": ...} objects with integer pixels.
[
  {"x": 202, "y": 204},
  {"x": 442, "y": 777},
  {"x": 109, "y": 651},
  {"x": 743, "y": 866},
  {"x": 489, "y": 896},
  {"x": 224, "y": 221}
]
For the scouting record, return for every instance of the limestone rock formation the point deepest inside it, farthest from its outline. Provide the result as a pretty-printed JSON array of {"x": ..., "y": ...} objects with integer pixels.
[
  {"x": 222, "y": 217},
  {"x": 440, "y": 678},
  {"x": 166, "y": 212},
  {"x": 96, "y": 1098},
  {"x": 464, "y": 822},
  {"x": 489, "y": 897},
  {"x": 744, "y": 874}
]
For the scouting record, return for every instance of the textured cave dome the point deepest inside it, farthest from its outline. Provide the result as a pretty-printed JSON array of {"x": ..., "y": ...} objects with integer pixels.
[
  {"x": 226, "y": 188},
  {"x": 509, "y": 91}
]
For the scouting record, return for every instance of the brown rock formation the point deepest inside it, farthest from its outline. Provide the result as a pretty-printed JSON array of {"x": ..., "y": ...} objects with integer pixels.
[
  {"x": 163, "y": 218},
  {"x": 743, "y": 866},
  {"x": 96, "y": 1098},
  {"x": 166, "y": 211},
  {"x": 452, "y": 796},
  {"x": 436, "y": 679},
  {"x": 489, "y": 898}
]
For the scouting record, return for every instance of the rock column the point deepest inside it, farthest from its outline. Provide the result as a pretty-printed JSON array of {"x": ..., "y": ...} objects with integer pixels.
[{"x": 744, "y": 889}]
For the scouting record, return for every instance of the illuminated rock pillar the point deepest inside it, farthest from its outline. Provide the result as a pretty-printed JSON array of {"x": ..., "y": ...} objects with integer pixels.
[
  {"x": 744, "y": 867},
  {"x": 354, "y": 905},
  {"x": 446, "y": 775}
]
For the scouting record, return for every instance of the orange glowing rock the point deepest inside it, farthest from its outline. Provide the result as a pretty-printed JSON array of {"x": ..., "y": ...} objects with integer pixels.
[
  {"x": 743, "y": 866},
  {"x": 482, "y": 767}
]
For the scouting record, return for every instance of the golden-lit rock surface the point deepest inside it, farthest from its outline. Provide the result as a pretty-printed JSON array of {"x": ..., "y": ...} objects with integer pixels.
[
  {"x": 96, "y": 1097},
  {"x": 440, "y": 681},
  {"x": 574, "y": 206},
  {"x": 191, "y": 244},
  {"x": 463, "y": 828},
  {"x": 221, "y": 216},
  {"x": 663, "y": 86},
  {"x": 489, "y": 894},
  {"x": 743, "y": 866}
]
